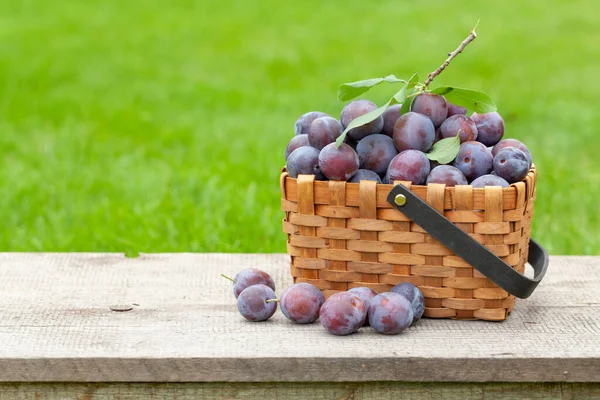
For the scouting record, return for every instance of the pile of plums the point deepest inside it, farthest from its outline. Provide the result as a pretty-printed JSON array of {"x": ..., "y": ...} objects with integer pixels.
[
  {"x": 393, "y": 147},
  {"x": 342, "y": 313}
]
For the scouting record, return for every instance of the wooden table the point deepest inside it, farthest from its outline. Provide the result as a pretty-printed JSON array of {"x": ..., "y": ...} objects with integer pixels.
[{"x": 183, "y": 337}]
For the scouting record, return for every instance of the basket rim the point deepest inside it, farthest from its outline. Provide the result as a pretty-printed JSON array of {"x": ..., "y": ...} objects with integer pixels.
[{"x": 512, "y": 187}]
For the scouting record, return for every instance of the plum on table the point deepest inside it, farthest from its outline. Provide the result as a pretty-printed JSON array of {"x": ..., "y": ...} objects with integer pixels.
[
  {"x": 390, "y": 313},
  {"x": 248, "y": 277},
  {"x": 365, "y": 294},
  {"x": 343, "y": 313},
  {"x": 414, "y": 295},
  {"x": 301, "y": 303},
  {"x": 257, "y": 303}
]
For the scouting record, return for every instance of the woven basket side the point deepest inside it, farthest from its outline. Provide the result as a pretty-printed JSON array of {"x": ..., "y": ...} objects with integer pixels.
[
  {"x": 401, "y": 237},
  {"x": 306, "y": 207},
  {"x": 435, "y": 198},
  {"x": 349, "y": 236},
  {"x": 337, "y": 198},
  {"x": 367, "y": 194},
  {"x": 463, "y": 201}
]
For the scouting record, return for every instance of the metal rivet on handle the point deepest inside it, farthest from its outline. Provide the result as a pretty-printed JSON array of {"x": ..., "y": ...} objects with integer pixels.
[{"x": 400, "y": 200}]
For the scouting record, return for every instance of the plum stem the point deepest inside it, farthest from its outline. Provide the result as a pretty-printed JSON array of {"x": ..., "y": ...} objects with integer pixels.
[
  {"x": 451, "y": 55},
  {"x": 231, "y": 279},
  {"x": 415, "y": 94},
  {"x": 272, "y": 300}
]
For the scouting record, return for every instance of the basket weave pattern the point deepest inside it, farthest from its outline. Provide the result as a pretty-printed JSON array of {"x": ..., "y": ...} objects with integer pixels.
[{"x": 343, "y": 235}]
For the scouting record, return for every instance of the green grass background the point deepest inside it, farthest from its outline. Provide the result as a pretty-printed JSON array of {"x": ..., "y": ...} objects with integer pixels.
[{"x": 147, "y": 126}]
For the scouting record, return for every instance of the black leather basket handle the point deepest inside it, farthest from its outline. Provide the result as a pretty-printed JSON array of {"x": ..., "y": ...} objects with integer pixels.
[{"x": 464, "y": 246}]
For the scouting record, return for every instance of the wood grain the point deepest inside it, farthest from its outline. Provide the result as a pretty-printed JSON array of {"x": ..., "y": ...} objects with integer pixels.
[
  {"x": 56, "y": 326},
  {"x": 300, "y": 391}
]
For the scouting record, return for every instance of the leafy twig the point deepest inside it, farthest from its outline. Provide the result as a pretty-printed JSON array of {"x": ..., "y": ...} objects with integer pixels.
[
  {"x": 470, "y": 99},
  {"x": 456, "y": 52}
]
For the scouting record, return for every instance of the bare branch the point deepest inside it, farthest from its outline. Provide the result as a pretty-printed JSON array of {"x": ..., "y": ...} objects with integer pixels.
[{"x": 456, "y": 52}]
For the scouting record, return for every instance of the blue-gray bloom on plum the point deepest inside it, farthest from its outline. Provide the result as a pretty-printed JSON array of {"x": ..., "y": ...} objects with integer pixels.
[
  {"x": 375, "y": 152},
  {"x": 304, "y": 161},
  {"x": 324, "y": 130},
  {"x": 490, "y": 127},
  {"x": 355, "y": 109},
  {"x": 474, "y": 160},
  {"x": 301, "y": 302},
  {"x": 414, "y": 296},
  {"x": 248, "y": 277},
  {"x": 343, "y": 313},
  {"x": 448, "y": 175},
  {"x": 253, "y": 305},
  {"x": 512, "y": 143},
  {"x": 453, "y": 109},
  {"x": 511, "y": 164},
  {"x": 409, "y": 165},
  {"x": 366, "y": 295},
  {"x": 390, "y": 313},
  {"x": 456, "y": 123},
  {"x": 294, "y": 143},
  {"x": 431, "y": 105},
  {"x": 303, "y": 122},
  {"x": 414, "y": 131},
  {"x": 489, "y": 180},
  {"x": 338, "y": 164},
  {"x": 365, "y": 175},
  {"x": 390, "y": 116}
]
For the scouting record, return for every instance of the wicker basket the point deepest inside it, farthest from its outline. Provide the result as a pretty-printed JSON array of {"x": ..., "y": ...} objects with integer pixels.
[{"x": 343, "y": 235}]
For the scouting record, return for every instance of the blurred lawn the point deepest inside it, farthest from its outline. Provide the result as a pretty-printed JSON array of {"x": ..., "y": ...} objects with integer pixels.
[{"x": 160, "y": 126}]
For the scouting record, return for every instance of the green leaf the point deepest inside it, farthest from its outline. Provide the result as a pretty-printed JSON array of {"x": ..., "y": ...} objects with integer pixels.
[
  {"x": 469, "y": 99},
  {"x": 348, "y": 91},
  {"x": 400, "y": 96},
  {"x": 408, "y": 102},
  {"x": 364, "y": 119},
  {"x": 443, "y": 90},
  {"x": 412, "y": 82},
  {"x": 445, "y": 150}
]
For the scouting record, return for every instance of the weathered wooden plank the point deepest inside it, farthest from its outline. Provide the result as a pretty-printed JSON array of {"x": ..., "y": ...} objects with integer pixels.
[
  {"x": 300, "y": 391},
  {"x": 56, "y": 325}
]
